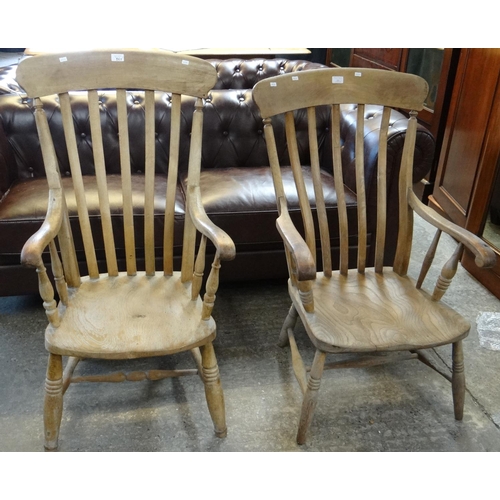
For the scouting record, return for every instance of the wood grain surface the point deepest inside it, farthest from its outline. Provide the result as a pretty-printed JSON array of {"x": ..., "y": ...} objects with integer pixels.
[
  {"x": 129, "y": 317},
  {"x": 376, "y": 312}
]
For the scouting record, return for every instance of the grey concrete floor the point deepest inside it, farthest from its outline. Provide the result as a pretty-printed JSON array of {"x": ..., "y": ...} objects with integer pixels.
[{"x": 398, "y": 407}]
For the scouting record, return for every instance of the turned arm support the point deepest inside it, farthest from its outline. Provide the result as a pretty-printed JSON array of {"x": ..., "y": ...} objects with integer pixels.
[
  {"x": 484, "y": 256},
  {"x": 295, "y": 244},
  {"x": 221, "y": 240},
  {"x": 31, "y": 254}
]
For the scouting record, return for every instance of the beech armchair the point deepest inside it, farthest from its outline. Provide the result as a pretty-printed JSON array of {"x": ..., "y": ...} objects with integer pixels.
[
  {"x": 134, "y": 312},
  {"x": 365, "y": 310}
]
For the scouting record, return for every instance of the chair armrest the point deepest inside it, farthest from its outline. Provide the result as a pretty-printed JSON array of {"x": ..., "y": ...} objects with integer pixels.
[
  {"x": 484, "y": 256},
  {"x": 223, "y": 243},
  {"x": 31, "y": 254},
  {"x": 303, "y": 258}
]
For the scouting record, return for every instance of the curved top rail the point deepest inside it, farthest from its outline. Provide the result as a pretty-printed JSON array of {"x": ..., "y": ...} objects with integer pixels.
[
  {"x": 153, "y": 69},
  {"x": 339, "y": 86}
]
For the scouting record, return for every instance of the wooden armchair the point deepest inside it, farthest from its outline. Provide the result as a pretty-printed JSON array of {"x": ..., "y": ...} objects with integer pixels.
[
  {"x": 369, "y": 309},
  {"x": 124, "y": 313}
]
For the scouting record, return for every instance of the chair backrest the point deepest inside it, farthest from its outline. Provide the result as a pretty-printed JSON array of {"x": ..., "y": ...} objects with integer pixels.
[
  {"x": 298, "y": 95},
  {"x": 120, "y": 70}
]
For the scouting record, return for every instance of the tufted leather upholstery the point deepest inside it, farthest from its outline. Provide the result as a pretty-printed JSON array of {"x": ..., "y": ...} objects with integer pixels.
[
  {"x": 244, "y": 74},
  {"x": 236, "y": 186},
  {"x": 8, "y": 83}
]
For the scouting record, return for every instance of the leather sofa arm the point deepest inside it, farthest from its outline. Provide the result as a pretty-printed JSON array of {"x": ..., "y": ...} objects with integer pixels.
[
  {"x": 8, "y": 83},
  {"x": 7, "y": 162},
  {"x": 398, "y": 124}
]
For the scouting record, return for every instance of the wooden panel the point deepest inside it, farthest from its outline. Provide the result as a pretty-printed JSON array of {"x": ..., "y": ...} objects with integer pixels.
[
  {"x": 490, "y": 278},
  {"x": 465, "y": 130},
  {"x": 481, "y": 198},
  {"x": 380, "y": 58},
  {"x": 361, "y": 62}
]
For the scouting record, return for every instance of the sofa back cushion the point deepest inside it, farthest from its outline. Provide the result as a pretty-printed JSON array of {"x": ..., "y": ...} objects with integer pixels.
[
  {"x": 233, "y": 133},
  {"x": 245, "y": 73}
]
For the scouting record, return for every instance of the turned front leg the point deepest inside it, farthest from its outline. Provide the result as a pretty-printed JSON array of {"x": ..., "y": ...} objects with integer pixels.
[
  {"x": 458, "y": 380},
  {"x": 311, "y": 396},
  {"x": 53, "y": 403},
  {"x": 213, "y": 389}
]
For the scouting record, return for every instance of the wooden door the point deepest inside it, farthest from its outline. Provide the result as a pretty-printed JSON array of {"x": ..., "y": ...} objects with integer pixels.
[{"x": 470, "y": 153}]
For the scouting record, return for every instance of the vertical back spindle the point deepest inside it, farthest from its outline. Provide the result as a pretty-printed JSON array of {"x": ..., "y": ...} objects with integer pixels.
[
  {"x": 277, "y": 181},
  {"x": 189, "y": 239},
  {"x": 76, "y": 175},
  {"x": 318, "y": 193},
  {"x": 102, "y": 189},
  {"x": 149, "y": 195},
  {"x": 382, "y": 191},
  {"x": 274, "y": 161},
  {"x": 173, "y": 163},
  {"x": 339, "y": 187},
  {"x": 403, "y": 248},
  {"x": 305, "y": 206},
  {"x": 360, "y": 187},
  {"x": 128, "y": 215}
]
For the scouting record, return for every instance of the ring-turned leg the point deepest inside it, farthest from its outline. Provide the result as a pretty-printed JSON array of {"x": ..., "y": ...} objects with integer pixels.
[
  {"x": 213, "y": 389},
  {"x": 290, "y": 322},
  {"x": 53, "y": 403},
  {"x": 458, "y": 380},
  {"x": 311, "y": 396}
]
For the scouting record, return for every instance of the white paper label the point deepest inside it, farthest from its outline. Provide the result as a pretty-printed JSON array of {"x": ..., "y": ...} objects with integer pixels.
[
  {"x": 337, "y": 79},
  {"x": 295, "y": 78},
  {"x": 63, "y": 59},
  {"x": 358, "y": 73},
  {"x": 185, "y": 62},
  {"x": 273, "y": 84},
  {"x": 117, "y": 57}
]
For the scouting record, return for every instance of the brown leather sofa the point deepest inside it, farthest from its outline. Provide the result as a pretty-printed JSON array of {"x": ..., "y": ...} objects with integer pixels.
[{"x": 236, "y": 185}]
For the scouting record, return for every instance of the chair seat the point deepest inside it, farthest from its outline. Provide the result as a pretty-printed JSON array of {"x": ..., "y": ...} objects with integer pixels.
[
  {"x": 129, "y": 317},
  {"x": 376, "y": 312}
]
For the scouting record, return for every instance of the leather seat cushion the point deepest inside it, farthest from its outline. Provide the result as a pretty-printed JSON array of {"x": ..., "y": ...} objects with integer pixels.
[
  {"x": 239, "y": 200},
  {"x": 24, "y": 207}
]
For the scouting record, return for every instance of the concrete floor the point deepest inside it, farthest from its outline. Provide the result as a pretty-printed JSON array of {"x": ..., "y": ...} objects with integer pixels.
[{"x": 399, "y": 407}]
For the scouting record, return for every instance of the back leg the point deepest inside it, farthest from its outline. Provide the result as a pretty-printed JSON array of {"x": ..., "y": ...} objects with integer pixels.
[
  {"x": 458, "y": 380},
  {"x": 53, "y": 404},
  {"x": 213, "y": 389},
  {"x": 290, "y": 322},
  {"x": 311, "y": 396}
]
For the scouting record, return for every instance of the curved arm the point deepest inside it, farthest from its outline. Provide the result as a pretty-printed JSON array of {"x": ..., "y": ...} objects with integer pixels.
[
  {"x": 223, "y": 243},
  {"x": 31, "y": 254},
  {"x": 306, "y": 268},
  {"x": 484, "y": 255}
]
